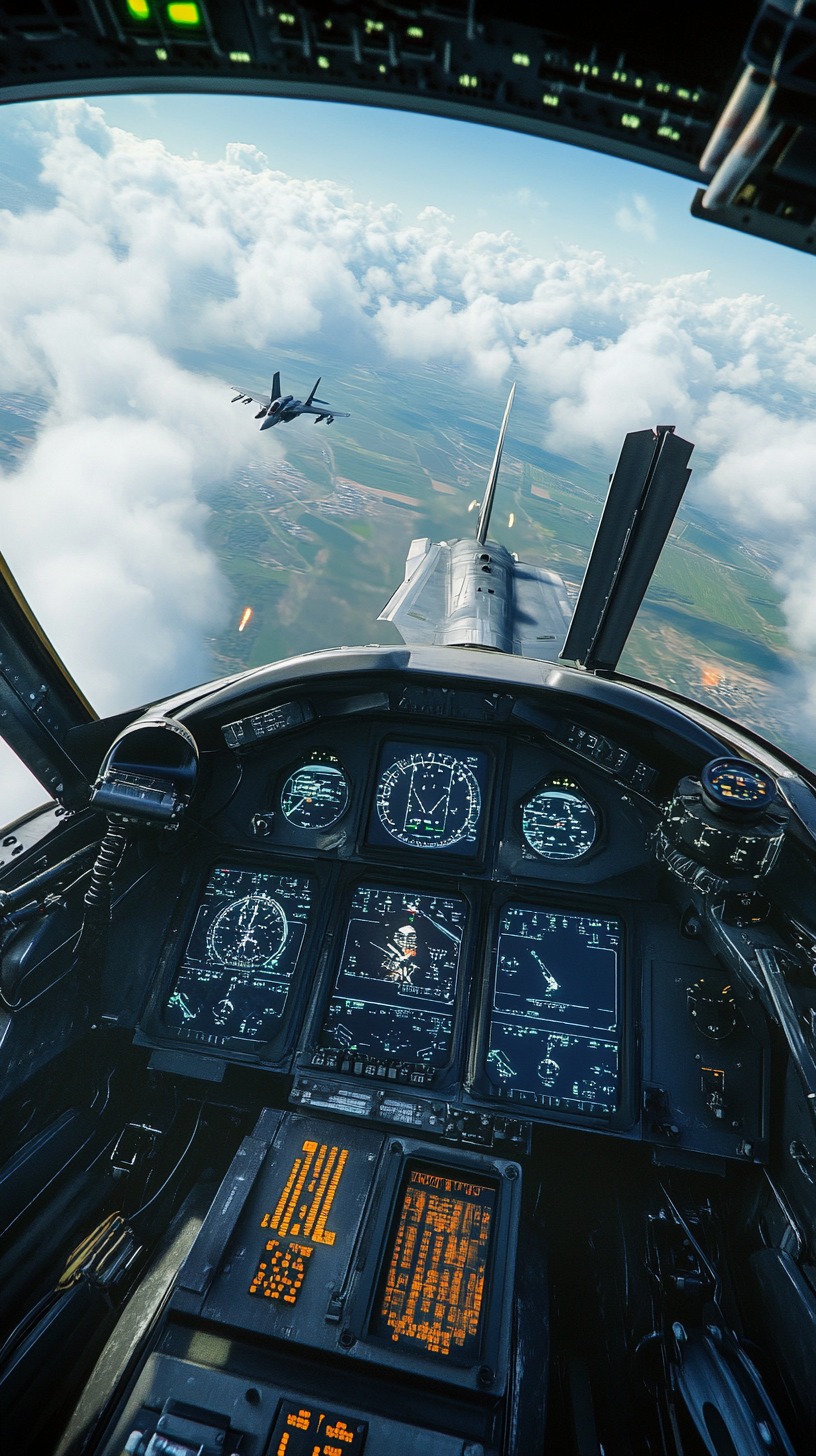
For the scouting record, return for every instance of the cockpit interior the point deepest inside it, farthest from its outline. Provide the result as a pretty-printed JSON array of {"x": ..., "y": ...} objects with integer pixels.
[
  {"x": 422, "y": 1074},
  {"x": 412, "y": 1049}
]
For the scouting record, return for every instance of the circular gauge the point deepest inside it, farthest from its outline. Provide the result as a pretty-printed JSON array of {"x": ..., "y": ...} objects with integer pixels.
[
  {"x": 248, "y": 933},
  {"x": 315, "y": 796},
  {"x": 559, "y": 824},
  {"x": 222, "y": 1011},
  {"x": 548, "y": 1070},
  {"x": 736, "y": 786},
  {"x": 429, "y": 800}
]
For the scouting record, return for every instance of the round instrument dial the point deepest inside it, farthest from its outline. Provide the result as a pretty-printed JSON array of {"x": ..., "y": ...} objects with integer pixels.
[
  {"x": 315, "y": 796},
  {"x": 559, "y": 824},
  {"x": 249, "y": 933},
  {"x": 429, "y": 800},
  {"x": 737, "y": 786}
]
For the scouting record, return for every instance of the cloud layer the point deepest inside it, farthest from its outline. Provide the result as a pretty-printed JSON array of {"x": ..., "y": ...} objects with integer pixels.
[{"x": 145, "y": 255}]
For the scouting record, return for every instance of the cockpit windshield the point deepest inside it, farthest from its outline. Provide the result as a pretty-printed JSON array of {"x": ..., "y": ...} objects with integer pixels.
[{"x": 158, "y": 254}]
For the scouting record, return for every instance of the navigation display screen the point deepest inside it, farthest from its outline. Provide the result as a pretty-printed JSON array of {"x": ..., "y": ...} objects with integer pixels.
[
  {"x": 395, "y": 988},
  {"x": 429, "y": 798},
  {"x": 432, "y": 1293},
  {"x": 243, "y": 949},
  {"x": 554, "y": 1036}
]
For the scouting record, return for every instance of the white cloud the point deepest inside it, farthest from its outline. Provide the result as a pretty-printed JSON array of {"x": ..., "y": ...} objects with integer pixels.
[
  {"x": 637, "y": 216},
  {"x": 99, "y": 293}
]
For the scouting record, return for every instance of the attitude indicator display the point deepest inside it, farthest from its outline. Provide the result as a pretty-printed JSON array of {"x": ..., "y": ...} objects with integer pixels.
[
  {"x": 558, "y": 823},
  {"x": 432, "y": 1293},
  {"x": 234, "y": 979},
  {"x": 553, "y": 1035},
  {"x": 316, "y": 795},
  {"x": 429, "y": 798},
  {"x": 395, "y": 989}
]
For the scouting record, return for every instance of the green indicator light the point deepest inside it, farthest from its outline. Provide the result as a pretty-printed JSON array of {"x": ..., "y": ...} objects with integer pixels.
[
  {"x": 520, "y": 58},
  {"x": 550, "y": 100},
  {"x": 184, "y": 12},
  {"x": 161, "y": 54},
  {"x": 138, "y": 9},
  {"x": 323, "y": 62},
  {"x": 415, "y": 32},
  {"x": 242, "y": 56}
]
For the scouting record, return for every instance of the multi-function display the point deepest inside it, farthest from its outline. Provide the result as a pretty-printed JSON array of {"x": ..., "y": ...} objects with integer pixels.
[
  {"x": 432, "y": 1292},
  {"x": 395, "y": 987},
  {"x": 553, "y": 1035},
  {"x": 429, "y": 798},
  {"x": 235, "y": 976}
]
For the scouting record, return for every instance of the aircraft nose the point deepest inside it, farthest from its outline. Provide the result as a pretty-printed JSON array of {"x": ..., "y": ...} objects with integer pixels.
[{"x": 267, "y": 422}]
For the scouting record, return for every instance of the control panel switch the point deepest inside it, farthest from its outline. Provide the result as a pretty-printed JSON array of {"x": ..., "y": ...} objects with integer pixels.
[{"x": 713, "y": 1088}]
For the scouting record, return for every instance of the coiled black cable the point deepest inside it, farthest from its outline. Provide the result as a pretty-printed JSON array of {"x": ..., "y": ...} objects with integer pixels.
[{"x": 105, "y": 865}]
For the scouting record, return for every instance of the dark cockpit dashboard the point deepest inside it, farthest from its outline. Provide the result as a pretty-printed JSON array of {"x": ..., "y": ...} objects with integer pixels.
[
  {"x": 384, "y": 995},
  {"x": 444, "y": 908}
]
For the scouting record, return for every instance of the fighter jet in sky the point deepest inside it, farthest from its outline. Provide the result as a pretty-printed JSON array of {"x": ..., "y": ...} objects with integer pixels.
[{"x": 282, "y": 408}]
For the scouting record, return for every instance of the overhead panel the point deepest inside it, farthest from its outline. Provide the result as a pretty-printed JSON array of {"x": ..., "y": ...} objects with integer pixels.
[{"x": 610, "y": 82}]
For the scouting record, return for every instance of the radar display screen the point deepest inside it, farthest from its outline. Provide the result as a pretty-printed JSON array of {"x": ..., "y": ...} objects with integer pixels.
[
  {"x": 428, "y": 798},
  {"x": 432, "y": 1293},
  {"x": 316, "y": 795},
  {"x": 396, "y": 983},
  {"x": 554, "y": 1036},
  {"x": 234, "y": 979}
]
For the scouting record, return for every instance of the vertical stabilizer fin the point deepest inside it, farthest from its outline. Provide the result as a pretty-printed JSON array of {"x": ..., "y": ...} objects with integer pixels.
[
  {"x": 487, "y": 503},
  {"x": 644, "y": 494},
  {"x": 313, "y": 393},
  {"x": 276, "y": 389}
]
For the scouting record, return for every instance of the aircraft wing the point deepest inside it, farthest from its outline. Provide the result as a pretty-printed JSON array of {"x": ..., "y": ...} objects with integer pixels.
[
  {"x": 325, "y": 409},
  {"x": 248, "y": 394}
]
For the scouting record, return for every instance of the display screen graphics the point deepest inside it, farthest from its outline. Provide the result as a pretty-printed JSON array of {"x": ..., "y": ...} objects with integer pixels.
[
  {"x": 554, "y": 1036},
  {"x": 316, "y": 795},
  {"x": 308, "y": 1430},
  {"x": 395, "y": 988},
  {"x": 237, "y": 969},
  {"x": 429, "y": 798},
  {"x": 433, "y": 1291}
]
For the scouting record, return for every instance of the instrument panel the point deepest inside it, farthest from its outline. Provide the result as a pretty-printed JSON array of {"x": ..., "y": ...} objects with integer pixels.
[
  {"x": 460, "y": 916},
  {"x": 393, "y": 979}
]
